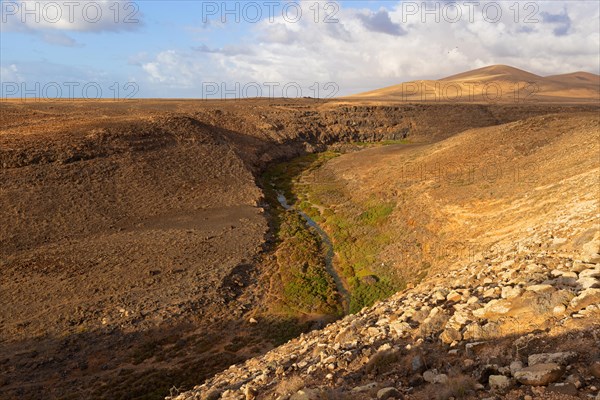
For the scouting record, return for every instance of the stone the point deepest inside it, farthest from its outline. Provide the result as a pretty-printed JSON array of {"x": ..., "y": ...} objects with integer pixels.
[
  {"x": 585, "y": 298},
  {"x": 364, "y": 388},
  {"x": 557, "y": 242},
  {"x": 389, "y": 393},
  {"x": 454, "y": 296},
  {"x": 579, "y": 266},
  {"x": 595, "y": 369},
  {"x": 588, "y": 282},
  {"x": 559, "y": 309},
  {"x": 450, "y": 335},
  {"x": 510, "y": 292},
  {"x": 499, "y": 382},
  {"x": 540, "y": 374},
  {"x": 570, "y": 274},
  {"x": 400, "y": 327},
  {"x": 540, "y": 288},
  {"x": 566, "y": 274},
  {"x": 590, "y": 273},
  {"x": 563, "y": 388},
  {"x": 432, "y": 376},
  {"x": 417, "y": 365},
  {"x": 250, "y": 393},
  {"x": 491, "y": 293},
  {"x": 562, "y": 358},
  {"x": 515, "y": 366},
  {"x": 440, "y": 295},
  {"x": 493, "y": 307},
  {"x": 253, "y": 321},
  {"x": 590, "y": 250},
  {"x": 473, "y": 348}
]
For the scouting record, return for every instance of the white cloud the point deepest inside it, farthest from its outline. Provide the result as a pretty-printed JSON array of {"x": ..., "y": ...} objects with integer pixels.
[
  {"x": 365, "y": 50},
  {"x": 10, "y": 73},
  {"x": 66, "y": 15}
]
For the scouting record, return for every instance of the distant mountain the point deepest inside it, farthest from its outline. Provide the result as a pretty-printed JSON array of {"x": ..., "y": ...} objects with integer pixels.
[{"x": 495, "y": 83}]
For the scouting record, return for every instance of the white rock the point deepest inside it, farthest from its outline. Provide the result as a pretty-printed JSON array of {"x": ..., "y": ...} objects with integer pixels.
[
  {"x": 509, "y": 292},
  {"x": 585, "y": 298},
  {"x": 499, "y": 382},
  {"x": 540, "y": 288},
  {"x": 562, "y": 358},
  {"x": 515, "y": 366},
  {"x": 590, "y": 273},
  {"x": 588, "y": 282},
  {"x": 539, "y": 374}
]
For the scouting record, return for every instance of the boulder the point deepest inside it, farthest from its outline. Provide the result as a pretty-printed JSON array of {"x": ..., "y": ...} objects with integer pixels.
[
  {"x": 595, "y": 369},
  {"x": 563, "y": 388},
  {"x": 454, "y": 296},
  {"x": 499, "y": 382},
  {"x": 540, "y": 374},
  {"x": 432, "y": 376},
  {"x": 562, "y": 358},
  {"x": 590, "y": 273},
  {"x": 585, "y": 298},
  {"x": 450, "y": 335},
  {"x": 515, "y": 366},
  {"x": 588, "y": 282},
  {"x": 510, "y": 292},
  {"x": 389, "y": 393},
  {"x": 305, "y": 394}
]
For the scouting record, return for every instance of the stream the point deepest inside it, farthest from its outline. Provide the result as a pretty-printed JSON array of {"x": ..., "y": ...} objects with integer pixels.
[{"x": 329, "y": 253}]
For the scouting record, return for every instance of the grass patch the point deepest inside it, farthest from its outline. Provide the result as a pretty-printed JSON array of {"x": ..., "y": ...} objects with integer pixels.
[
  {"x": 359, "y": 233},
  {"x": 364, "y": 294},
  {"x": 307, "y": 286}
]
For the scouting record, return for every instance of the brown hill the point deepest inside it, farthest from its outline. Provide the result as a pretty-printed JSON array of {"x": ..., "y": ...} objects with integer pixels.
[
  {"x": 496, "y": 83},
  {"x": 495, "y": 73}
]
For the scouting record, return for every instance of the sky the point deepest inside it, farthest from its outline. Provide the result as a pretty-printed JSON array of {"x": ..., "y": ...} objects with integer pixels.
[{"x": 231, "y": 49}]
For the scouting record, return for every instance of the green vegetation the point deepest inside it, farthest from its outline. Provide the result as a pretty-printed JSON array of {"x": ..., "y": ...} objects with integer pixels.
[
  {"x": 359, "y": 232},
  {"x": 307, "y": 286},
  {"x": 364, "y": 295}
]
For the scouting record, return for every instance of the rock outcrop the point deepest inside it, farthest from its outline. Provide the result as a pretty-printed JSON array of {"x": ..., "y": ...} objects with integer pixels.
[{"x": 455, "y": 330}]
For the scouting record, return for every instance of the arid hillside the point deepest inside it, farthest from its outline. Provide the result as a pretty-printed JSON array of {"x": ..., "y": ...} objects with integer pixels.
[
  {"x": 496, "y": 83},
  {"x": 505, "y": 221},
  {"x": 137, "y": 242}
]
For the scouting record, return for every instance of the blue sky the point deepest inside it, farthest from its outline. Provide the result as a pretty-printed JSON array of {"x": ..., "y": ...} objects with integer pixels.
[{"x": 183, "y": 48}]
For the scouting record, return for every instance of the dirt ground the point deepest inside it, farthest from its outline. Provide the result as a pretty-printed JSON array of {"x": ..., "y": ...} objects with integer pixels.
[{"x": 134, "y": 238}]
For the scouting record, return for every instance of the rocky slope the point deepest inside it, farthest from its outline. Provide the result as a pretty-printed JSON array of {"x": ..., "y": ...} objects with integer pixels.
[
  {"x": 521, "y": 322},
  {"x": 516, "y": 315}
]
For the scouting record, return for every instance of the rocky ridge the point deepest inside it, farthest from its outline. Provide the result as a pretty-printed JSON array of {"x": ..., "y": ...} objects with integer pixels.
[{"x": 519, "y": 322}]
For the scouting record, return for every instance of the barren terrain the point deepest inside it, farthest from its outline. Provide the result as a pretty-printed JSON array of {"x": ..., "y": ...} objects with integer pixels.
[{"x": 141, "y": 252}]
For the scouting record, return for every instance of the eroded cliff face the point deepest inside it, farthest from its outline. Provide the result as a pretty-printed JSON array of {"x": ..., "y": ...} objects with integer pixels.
[{"x": 136, "y": 236}]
